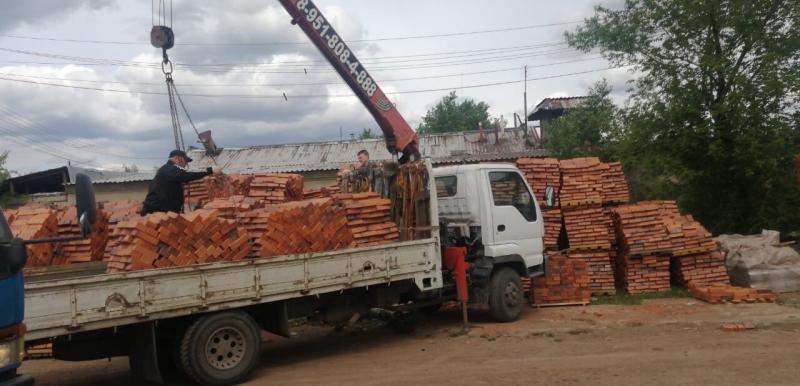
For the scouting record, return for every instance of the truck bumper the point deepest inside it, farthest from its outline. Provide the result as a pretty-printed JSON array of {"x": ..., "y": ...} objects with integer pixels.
[{"x": 18, "y": 380}]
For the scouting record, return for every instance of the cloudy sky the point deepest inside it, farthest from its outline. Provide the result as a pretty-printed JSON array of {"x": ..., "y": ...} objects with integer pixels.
[{"x": 80, "y": 82}]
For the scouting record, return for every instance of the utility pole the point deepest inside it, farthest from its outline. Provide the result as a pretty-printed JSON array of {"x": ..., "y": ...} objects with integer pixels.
[
  {"x": 340, "y": 133},
  {"x": 525, "y": 100}
]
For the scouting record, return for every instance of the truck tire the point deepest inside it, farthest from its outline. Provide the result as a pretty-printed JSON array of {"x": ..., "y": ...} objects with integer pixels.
[
  {"x": 505, "y": 295},
  {"x": 221, "y": 349}
]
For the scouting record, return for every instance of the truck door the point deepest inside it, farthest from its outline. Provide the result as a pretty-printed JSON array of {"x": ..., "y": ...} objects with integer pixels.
[{"x": 516, "y": 220}]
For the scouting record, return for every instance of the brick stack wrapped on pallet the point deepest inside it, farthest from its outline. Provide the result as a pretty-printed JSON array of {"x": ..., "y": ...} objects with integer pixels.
[
  {"x": 643, "y": 256},
  {"x": 567, "y": 282},
  {"x": 656, "y": 231},
  {"x": 540, "y": 174},
  {"x": 585, "y": 221}
]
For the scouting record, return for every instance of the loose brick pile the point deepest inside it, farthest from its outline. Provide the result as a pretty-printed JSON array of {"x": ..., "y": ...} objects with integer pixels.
[
  {"x": 91, "y": 248},
  {"x": 304, "y": 227},
  {"x": 35, "y": 222},
  {"x": 369, "y": 218},
  {"x": 541, "y": 173},
  {"x": 723, "y": 293},
  {"x": 162, "y": 240},
  {"x": 276, "y": 188},
  {"x": 567, "y": 282},
  {"x": 118, "y": 211}
]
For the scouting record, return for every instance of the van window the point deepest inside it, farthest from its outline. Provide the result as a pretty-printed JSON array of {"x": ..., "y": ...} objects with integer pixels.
[
  {"x": 446, "y": 186},
  {"x": 509, "y": 189}
]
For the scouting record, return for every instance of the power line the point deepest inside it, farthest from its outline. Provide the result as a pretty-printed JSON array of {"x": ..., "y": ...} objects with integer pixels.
[
  {"x": 37, "y": 128},
  {"x": 214, "y": 68},
  {"x": 461, "y": 74},
  {"x": 245, "y": 96},
  {"x": 409, "y": 37}
]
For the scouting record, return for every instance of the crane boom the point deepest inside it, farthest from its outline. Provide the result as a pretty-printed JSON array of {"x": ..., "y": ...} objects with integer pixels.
[{"x": 398, "y": 134}]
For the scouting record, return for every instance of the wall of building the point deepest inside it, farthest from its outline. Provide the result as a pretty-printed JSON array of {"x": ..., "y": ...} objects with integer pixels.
[{"x": 135, "y": 191}]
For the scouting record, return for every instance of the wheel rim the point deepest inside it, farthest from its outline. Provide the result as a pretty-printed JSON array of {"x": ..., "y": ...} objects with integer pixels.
[
  {"x": 225, "y": 348},
  {"x": 511, "y": 295}
]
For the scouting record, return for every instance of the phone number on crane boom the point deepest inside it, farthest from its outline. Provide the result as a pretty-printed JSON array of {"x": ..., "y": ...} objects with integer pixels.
[{"x": 338, "y": 46}]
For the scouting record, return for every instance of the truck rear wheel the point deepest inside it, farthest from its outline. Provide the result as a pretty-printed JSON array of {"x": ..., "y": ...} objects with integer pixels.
[
  {"x": 221, "y": 349},
  {"x": 505, "y": 296}
]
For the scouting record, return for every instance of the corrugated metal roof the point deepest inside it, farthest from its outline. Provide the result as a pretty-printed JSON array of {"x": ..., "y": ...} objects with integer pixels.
[
  {"x": 442, "y": 148},
  {"x": 126, "y": 177},
  {"x": 548, "y": 104}
]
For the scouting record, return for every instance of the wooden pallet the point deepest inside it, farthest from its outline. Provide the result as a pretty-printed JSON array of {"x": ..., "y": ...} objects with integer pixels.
[{"x": 544, "y": 305}]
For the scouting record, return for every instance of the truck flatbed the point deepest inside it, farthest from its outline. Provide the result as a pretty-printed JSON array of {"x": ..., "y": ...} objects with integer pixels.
[{"x": 63, "y": 306}]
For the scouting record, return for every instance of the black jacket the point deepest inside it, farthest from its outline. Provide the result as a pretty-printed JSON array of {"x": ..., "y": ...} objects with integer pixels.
[{"x": 166, "y": 190}]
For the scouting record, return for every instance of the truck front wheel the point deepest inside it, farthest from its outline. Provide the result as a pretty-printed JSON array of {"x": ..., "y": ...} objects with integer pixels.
[
  {"x": 505, "y": 295},
  {"x": 221, "y": 349}
]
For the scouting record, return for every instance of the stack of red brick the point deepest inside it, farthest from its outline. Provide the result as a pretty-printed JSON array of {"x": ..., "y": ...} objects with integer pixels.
[
  {"x": 325, "y": 191},
  {"x": 304, "y": 227},
  {"x": 567, "y": 282},
  {"x": 91, "y": 248},
  {"x": 276, "y": 188},
  {"x": 162, "y": 240},
  {"x": 34, "y": 222},
  {"x": 368, "y": 218},
  {"x": 656, "y": 231},
  {"x": 585, "y": 220},
  {"x": 723, "y": 293},
  {"x": 117, "y": 212},
  {"x": 540, "y": 174},
  {"x": 208, "y": 188}
]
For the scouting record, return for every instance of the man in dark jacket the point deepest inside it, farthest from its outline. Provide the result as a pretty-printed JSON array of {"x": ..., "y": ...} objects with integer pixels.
[{"x": 165, "y": 193}]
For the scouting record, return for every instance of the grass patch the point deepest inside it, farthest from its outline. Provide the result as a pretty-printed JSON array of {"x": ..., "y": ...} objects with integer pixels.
[
  {"x": 547, "y": 334},
  {"x": 789, "y": 299},
  {"x": 622, "y": 298}
]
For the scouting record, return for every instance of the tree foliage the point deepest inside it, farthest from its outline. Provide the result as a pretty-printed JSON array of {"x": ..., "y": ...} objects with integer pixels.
[
  {"x": 451, "y": 114},
  {"x": 712, "y": 119},
  {"x": 588, "y": 130}
]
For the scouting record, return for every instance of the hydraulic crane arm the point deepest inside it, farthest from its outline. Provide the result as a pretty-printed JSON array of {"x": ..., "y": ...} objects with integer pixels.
[{"x": 398, "y": 134}]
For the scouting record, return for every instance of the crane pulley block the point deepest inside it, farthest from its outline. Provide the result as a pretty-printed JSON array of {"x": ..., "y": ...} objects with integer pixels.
[{"x": 162, "y": 37}]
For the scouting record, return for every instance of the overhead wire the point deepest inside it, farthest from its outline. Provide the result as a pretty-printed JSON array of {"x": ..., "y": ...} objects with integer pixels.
[
  {"x": 32, "y": 127},
  {"x": 395, "y": 38},
  {"x": 246, "y": 96},
  {"x": 339, "y": 82}
]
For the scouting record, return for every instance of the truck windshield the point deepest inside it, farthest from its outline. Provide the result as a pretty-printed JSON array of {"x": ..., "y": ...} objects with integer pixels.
[{"x": 508, "y": 189}]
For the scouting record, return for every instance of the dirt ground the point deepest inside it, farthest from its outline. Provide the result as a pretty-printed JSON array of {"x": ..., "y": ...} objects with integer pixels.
[{"x": 661, "y": 342}]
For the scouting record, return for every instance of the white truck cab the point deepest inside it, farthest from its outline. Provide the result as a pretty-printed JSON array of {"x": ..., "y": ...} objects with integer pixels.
[{"x": 491, "y": 210}]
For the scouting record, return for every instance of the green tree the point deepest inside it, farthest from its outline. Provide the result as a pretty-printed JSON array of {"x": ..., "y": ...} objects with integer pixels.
[
  {"x": 366, "y": 134},
  {"x": 589, "y": 130},
  {"x": 452, "y": 114},
  {"x": 710, "y": 118}
]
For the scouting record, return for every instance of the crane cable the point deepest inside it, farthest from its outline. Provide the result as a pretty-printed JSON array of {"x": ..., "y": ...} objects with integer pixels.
[{"x": 162, "y": 36}]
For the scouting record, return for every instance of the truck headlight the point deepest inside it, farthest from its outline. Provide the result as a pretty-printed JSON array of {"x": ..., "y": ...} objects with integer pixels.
[{"x": 12, "y": 351}]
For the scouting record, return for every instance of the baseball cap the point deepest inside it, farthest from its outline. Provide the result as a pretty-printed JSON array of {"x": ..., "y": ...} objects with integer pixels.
[{"x": 179, "y": 153}]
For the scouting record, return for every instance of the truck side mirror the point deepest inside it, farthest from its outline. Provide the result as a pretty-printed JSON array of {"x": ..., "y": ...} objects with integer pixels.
[
  {"x": 85, "y": 203},
  {"x": 549, "y": 196}
]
